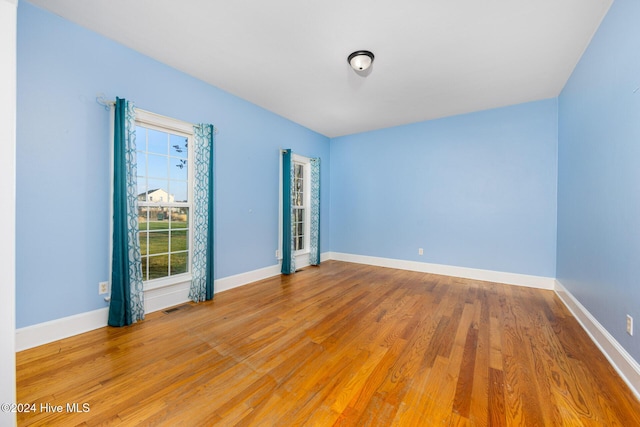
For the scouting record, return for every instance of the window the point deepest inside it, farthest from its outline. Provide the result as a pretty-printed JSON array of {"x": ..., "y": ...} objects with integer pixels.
[
  {"x": 301, "y": 203},
  {"x": 164, "y": 195}
]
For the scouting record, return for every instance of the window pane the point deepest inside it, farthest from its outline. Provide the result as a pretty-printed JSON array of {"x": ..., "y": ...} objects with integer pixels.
[
  {"x": 144, "y": 268},
  {"x": 163, "y": 177},
  {"x": 158, "y": 218},
  {"x": 141, "y": 164},
  {"x": 158, "y": 266},
  {"x": 158, "y": 191},
  {"x": 179, "y": 241},
  {"x": 141, "y": 138},
  {"x": 178, "y": 146},
  {"x": 179, "y": 263},
  {"x": 143, "y": 243},
  {"x": 179, "y": 191},
  {"x": 142, "y": 217},
  {"x": 298, "y": 169},
  {"x": 142, "y": 189},
  {"x": 179, "y": 218},
  {"x": 178, "y": 169},
  {"x": 158, "y": 142},
  {"x": 158, "y": 242},
  {"x": 158, "y": 166}
]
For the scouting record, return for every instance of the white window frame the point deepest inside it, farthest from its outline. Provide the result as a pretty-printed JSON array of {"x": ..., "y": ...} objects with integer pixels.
[
  {"x": 306, "y": 189},
  {"x": 161, "y": 123}
]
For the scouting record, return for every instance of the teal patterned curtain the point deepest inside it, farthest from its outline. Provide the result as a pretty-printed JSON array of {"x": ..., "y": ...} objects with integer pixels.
[
  {"x": 127, "y": 297},
  {"x": 288, "y": 260},
  {"x": 202, "y": 263},
  {"x": 314, "y": 238}
]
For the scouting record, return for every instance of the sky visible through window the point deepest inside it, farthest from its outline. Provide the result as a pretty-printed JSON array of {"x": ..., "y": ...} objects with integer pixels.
[{"x": 162, "y": 157}]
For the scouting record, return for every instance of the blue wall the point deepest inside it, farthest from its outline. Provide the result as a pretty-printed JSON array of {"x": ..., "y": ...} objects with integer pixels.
[
  {"x": 63, "y": 162},
  {"x": 476, "y": 190},
  {"x": 599, "y": 175}
]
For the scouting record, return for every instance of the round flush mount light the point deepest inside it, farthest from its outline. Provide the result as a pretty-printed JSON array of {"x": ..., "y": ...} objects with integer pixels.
[{"x": 360, "y": 60}]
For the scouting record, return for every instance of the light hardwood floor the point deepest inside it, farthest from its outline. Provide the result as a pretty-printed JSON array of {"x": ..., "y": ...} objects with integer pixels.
[{"x": 336, "y": 345}]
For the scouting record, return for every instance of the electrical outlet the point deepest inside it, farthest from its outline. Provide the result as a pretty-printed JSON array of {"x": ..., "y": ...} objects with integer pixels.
[
  {"x": 420, "y": 251},
  {"x": 277, "y": 254},
  {"x": 629, "y": 325},
  {"x": 103, "y": 288}
]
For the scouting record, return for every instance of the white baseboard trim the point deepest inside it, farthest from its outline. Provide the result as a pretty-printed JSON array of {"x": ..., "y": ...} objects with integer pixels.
[
  {"x": 620, "y": 359},
  {"x": 154, "y": 300},
  {"x": 242, "y": 279},
  {"x": 46, "y": 332},
  {"x": 538, "y": 282}
]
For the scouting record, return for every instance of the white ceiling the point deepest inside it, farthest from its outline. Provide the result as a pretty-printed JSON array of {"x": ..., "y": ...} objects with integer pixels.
[{"x": 433, "y": 58}]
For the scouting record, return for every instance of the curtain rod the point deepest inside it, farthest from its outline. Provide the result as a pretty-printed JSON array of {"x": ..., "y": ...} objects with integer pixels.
[{"x": 102, "y": 100}]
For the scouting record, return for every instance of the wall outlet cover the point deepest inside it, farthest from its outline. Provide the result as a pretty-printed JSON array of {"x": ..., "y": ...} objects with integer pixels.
[{"x": 103, "y": 288}]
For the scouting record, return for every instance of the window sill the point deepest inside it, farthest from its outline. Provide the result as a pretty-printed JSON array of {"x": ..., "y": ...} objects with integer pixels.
[
  {"x": 296, "y": 254},
  {"x": 166, "y": 281}
]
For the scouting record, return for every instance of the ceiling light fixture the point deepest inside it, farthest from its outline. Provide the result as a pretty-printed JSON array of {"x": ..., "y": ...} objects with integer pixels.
[{"x": 360, "y": 60}]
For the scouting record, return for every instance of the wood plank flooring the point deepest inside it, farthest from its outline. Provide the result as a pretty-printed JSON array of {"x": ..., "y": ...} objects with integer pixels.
[{"x": 336, "y": 345}]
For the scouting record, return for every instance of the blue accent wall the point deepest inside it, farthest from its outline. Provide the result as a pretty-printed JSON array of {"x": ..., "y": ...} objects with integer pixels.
[
  {"x": 63, "y": 162},
  {"x": 599, "y": 175},
  {"x": 475, "y": 190}
]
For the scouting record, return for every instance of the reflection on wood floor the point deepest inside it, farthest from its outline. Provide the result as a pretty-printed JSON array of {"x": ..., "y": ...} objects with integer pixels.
[{"x": 339, "y": 344}]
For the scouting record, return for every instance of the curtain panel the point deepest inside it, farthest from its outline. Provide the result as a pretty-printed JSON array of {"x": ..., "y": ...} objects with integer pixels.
[
  {"x": 314, "y": 238},
  {"x": 203, "y": 209},
  {"x": 127, "y": 297},
  {"x": 288, "y": 260}
]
